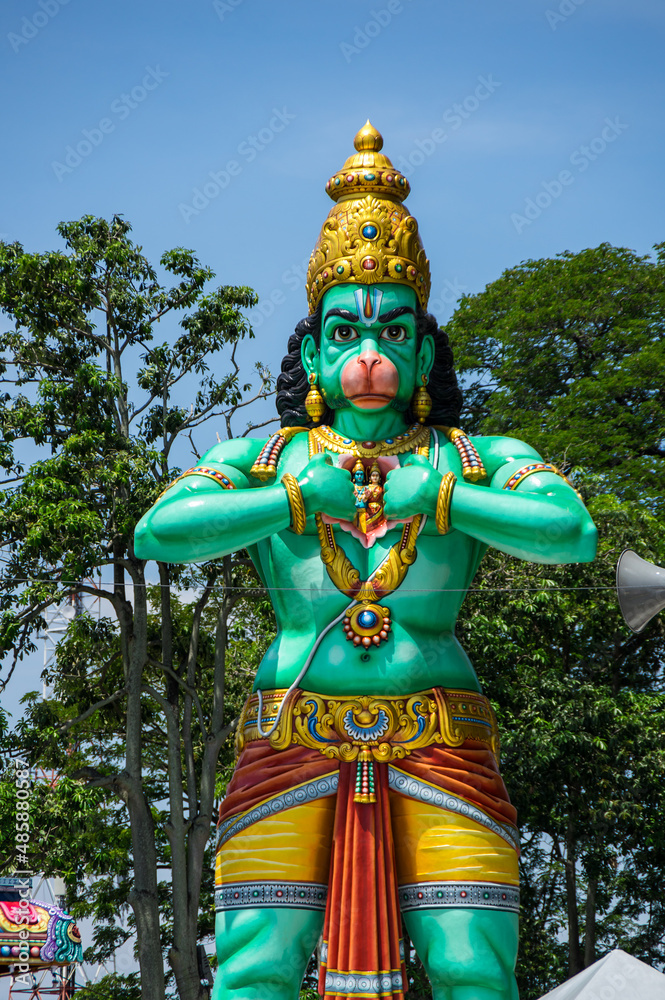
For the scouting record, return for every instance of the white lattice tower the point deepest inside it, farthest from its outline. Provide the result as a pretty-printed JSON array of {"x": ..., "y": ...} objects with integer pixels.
[
  {"x": 55, "y": 981},
  {"x": 60, "y": 616}
]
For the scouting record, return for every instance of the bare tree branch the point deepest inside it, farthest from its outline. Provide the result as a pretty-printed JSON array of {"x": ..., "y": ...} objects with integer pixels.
[
  {"x": 190, "y": 691},
  {"x": 159, "y": 698},
  {"x": 255, "y": 427},
  {"x": 93, "y": 708},
  {"x": 95, "y": 779}
]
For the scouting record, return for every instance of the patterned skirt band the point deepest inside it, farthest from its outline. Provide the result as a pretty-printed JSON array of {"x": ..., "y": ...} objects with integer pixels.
[
  {"x": 383, "y": 728},
  {"x": 362, "y": 808}
]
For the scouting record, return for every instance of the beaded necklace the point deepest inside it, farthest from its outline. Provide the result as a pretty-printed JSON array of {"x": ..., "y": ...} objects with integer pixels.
[
  {"x": 324, "y": 438},
  {"x": 367, "y": 622}
]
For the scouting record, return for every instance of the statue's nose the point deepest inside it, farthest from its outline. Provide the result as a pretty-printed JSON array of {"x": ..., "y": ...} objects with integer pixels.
[{"x": 369, "y": 359}]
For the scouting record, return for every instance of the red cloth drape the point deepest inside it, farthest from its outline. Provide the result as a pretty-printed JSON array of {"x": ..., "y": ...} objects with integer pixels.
[
  {"x": 470, "y": 771},
  {"x": 362, "y": 926},
  {"x": 262, "y": 772},
  {"x": 362, "y": 923}
]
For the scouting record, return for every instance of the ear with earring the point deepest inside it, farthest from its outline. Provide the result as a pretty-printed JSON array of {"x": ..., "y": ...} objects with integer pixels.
[
  {"x": 314, "y": 401},
  {"x": 421, "y": 401}
]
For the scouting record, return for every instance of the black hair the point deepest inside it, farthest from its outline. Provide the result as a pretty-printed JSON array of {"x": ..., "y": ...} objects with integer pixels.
[{"x": 293, "y": 384}]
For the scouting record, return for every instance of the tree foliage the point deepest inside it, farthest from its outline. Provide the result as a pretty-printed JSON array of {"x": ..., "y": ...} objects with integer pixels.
[
  {"x": 141, "y": 702},
  {"x": 581, "y": 704},
  {"x": 565, "y": 353},
  {"x": 568, "y": 354}
]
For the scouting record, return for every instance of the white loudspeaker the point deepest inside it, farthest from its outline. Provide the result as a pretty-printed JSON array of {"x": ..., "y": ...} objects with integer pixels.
[{"x": 640, "y": 589}]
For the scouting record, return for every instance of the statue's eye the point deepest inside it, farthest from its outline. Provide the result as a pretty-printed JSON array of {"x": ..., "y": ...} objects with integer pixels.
[
  {"x": 344, "y": 333},
  {"x": 393, "y": 333}
]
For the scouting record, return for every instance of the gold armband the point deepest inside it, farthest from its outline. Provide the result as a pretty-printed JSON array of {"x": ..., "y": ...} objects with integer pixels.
[
  {"x": 472, "y": 465},
  {"x": 201, "y": 470},
  {"x": 296, "y": 503},
  {"x": 530, "y": 470},
  {"x": 443, "y": 501}
]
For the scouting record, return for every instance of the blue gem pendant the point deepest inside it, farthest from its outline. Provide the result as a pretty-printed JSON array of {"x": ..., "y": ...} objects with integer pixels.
[{"x": 367, "y": 624}]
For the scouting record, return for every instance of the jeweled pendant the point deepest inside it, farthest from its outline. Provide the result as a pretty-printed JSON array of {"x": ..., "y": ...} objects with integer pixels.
[
  {"x": 421, "y": 403},
  {"x": 367, "y": 624},
  {"x": 315, "y": 404}
]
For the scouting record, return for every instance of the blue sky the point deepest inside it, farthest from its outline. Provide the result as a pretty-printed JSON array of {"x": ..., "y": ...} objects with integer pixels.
[
  {"x": 547, "y": 116},
  {"x": 556, "y": 72},
  {"x": 182, "y": 88}
]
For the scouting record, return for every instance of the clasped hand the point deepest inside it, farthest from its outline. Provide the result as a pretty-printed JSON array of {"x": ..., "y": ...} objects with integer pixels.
[
  {"x": 327, "y": 489},
  {"x": 411, "y": 489}
]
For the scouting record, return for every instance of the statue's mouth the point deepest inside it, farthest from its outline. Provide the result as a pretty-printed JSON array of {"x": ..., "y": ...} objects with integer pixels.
[
  {"x": 371, "y": 400},
  {"x": 370, "y": 381}
]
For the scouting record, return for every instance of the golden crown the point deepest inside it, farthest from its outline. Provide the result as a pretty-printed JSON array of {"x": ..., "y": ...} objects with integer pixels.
[{"x": 368, "y": 237}]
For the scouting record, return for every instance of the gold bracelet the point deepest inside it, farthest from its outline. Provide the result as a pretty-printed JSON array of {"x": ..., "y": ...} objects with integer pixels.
[
  {"x": 443, "y": 501},
  {"x": 296, "y": 503}
]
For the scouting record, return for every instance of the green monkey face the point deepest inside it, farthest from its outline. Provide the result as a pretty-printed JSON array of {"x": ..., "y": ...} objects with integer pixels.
[{"x": 368, "y": 357}]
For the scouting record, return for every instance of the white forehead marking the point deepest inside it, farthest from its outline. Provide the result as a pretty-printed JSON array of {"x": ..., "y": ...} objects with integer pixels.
[{"x": 376, "y": 295}]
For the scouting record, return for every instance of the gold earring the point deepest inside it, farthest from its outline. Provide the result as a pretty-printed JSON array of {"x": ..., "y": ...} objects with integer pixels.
[
  {"x": 421, "y": 403},
  {"x": 314, "y": 401}
]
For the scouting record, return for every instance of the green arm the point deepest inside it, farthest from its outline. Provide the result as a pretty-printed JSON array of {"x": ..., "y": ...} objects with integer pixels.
[
  {"x": 542, "y": 520},
  {"x": 545, "y": 528},
  {"x": 197, "y": 519}
]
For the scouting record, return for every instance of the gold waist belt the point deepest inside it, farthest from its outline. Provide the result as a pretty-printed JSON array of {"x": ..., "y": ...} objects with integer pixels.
[{"x": 382, "y": 728}]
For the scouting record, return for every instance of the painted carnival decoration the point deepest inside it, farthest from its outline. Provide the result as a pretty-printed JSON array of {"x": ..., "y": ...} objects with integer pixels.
[
  {"x": 53, "y": 937},
  {"x": 367, "y": 786}
]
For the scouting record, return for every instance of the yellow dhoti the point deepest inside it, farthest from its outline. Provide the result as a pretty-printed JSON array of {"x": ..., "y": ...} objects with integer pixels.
[
  {"x": 436, "y": 829},
  {"x": 441, "y": 850}
]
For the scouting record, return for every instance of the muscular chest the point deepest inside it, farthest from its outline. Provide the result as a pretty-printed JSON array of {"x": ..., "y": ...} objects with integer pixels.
[{"x": 434, "y": 584}]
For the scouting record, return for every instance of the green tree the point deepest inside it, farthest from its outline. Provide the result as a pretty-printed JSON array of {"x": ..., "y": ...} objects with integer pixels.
[
  {"x": 139, "y": 711},
  {"x": 568, "y": 354},
  {"x": 581, "y": 705}
]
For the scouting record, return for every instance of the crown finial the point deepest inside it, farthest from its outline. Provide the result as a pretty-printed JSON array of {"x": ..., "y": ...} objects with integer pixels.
[
  {"x": 369, "y": 236},
  {"x": 368, "y": 171},
  {"x": 368, "y": 139}
]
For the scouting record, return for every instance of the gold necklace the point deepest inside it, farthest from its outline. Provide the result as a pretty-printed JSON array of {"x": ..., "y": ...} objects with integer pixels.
[
  {"x": 325, "y": 438},
  {"x": 367, "y": 622}
]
